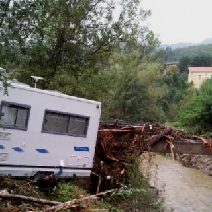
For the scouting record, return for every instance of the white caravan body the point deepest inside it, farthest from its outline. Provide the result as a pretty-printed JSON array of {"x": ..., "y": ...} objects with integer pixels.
[{"x": 46, "y": 131}]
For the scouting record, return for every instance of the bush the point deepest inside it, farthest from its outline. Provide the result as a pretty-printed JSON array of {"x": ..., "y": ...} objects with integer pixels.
[
  {"x": 196, "y": 114},
  {"x": 66, "y": 191}
]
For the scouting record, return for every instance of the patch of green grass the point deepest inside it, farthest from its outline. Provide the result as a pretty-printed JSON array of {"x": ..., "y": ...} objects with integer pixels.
[{"x": 66, "y": 191}]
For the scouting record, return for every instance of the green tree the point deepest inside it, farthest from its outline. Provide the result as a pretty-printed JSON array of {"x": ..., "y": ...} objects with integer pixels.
[
  {"x": 196, "y": 113},
  {"x": 177, "y": 88},
  {"x": 184, "y": 63},
  {"x": 137, "y": 89},
  {"x": 201, "y": 60},
  {"x": 4, "y": 82},
  {"x": 60, "y": 40},
  {"x": 169, "y": 54},
  {"x": 191, "y": 52}
]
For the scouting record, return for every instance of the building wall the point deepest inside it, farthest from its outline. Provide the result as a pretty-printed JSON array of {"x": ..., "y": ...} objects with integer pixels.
[{"x": 199, "y": 77}]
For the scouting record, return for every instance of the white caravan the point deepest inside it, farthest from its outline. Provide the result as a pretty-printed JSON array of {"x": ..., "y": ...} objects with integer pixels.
[{"x": 45, "y": 131}]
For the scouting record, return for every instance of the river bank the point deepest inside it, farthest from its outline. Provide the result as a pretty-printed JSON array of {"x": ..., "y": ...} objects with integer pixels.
[
  {"x": 200, "y": 162},
  {"x": 183, "y": 189}
]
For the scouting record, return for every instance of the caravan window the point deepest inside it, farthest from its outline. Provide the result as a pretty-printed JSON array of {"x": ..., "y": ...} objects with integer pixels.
[
  {"x": 77, "y": 125},
  {"x": 65, "y": 124},
  {"x": 55, "y": 123},
  {"x": 14, "y": 115}
]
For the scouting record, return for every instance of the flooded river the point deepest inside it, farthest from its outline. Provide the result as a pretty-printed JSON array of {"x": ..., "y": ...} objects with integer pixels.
[{"x": 184, "y": 189}]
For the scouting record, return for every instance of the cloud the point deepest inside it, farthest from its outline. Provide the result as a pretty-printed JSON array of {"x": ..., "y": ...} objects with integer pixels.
[{"x": 180, "y": 20}]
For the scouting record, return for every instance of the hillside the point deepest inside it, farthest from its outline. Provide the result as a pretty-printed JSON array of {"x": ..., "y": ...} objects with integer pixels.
[
  {"x": 185, "y": 44},
  {"x": 207, "y": 41},
  {"x": 191, "y": 51}
]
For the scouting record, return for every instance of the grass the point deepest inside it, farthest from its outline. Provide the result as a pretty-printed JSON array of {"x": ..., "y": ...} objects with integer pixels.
[{"x": 66, "y": 191}]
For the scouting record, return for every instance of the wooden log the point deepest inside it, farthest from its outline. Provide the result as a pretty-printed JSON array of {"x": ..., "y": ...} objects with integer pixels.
[
  {"x": 182, "y": 147},
  {"x": 100, "y": 178},
  {"x": 171, "y": 146},
  {"x": 116, "y": 130},
  {"x": 154, "y": 139},
  {"x": 204, "y": 141},
  {"x": 143, "y": 128},
  {"x": 29, "y": 199}
]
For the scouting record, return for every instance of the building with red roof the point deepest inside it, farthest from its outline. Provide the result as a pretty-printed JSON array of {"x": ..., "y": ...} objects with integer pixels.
[{"x": 198, "y": 75}]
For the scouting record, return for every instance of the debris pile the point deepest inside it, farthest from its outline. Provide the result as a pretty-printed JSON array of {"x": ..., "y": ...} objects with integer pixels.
[
  {"x": 116, "y": 149},
  {"x": 118, "y": 145}
]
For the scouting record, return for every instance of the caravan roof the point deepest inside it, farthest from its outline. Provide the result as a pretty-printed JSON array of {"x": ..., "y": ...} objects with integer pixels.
[{"x": 17, "y": 84}]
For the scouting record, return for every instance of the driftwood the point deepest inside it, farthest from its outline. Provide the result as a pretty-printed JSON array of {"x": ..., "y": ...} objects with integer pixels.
[
  {"x": 29, "y": 199},
  {"x": 100, "y": 178},
  {"x": 204, "y": 141},
  {"x": 81, "y": 200},
  {"x": 155, "y": 138},
  {"x": 117, "y": 146},
  {"x": 116, "y": 130},
  {"x": 143, "y": 128},
  {"x": 170, "y": 140}
]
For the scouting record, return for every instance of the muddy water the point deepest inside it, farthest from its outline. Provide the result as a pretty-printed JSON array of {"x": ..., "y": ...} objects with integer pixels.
[{"x": 184, "y": 189}]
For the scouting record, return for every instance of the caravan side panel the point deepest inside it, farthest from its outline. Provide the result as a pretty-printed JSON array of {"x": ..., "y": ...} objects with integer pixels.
[{"x": 27, "y": 151}]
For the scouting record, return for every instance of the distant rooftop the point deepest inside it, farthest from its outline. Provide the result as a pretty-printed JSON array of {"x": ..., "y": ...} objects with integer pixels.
[{"x": 200, "y": 69}]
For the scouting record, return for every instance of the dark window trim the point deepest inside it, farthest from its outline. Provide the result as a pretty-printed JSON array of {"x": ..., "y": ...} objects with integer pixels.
[
  {"x": 3, "y": 103},
  {"x": 69, "y": 115}
]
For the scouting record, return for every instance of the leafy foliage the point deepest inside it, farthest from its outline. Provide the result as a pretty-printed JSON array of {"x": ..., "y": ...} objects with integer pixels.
[
  {"x": 66, "y": 191},
  {"x": 83, "y": 48},
  {"x": 197, "y": 61},
  {"x": 4, "y": 82},
  {"x": 191, "y": 51},
  {"x": 177, "y": 88},
  {"x": 62, "y": 38},
  {"x": 184, "y": 63},
  {"x": 136, "y": 89},
  {"x": 196, "y": 113},
  {"x": 137, "y": 197}
]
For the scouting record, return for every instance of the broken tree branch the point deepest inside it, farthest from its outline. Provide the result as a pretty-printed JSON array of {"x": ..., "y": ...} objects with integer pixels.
[
  {"x": 204, "y": 141},
  {"x": 68, "y": 204},
  {"x": 155, "y": 138},
  {"x": 29, "y": 199}
]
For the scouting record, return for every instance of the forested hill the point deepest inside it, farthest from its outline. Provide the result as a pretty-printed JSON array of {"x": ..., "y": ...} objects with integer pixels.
[{"x": 191, "y": 51}]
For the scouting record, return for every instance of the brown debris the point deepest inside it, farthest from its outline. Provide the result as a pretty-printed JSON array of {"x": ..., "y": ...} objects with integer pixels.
[
  {"x": 116, "y": 149},
  {"x": 117, "y": 146}
]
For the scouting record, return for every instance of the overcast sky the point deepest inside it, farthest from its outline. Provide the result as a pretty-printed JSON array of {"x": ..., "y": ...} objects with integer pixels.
[{"x": 177, "y": 21}]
